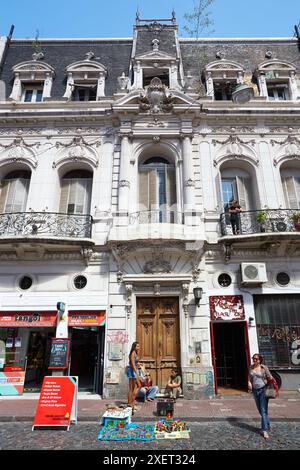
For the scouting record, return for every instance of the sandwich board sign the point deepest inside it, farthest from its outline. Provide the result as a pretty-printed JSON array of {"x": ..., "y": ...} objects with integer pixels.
[{"x": 57, "y": 405}]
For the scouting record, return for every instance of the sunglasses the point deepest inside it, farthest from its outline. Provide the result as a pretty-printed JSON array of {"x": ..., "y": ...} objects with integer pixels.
[{"x": 255, "y": 358}]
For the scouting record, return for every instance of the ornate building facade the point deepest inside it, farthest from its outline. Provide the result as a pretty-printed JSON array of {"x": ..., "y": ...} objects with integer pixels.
[{"x": 119, "y": 159}]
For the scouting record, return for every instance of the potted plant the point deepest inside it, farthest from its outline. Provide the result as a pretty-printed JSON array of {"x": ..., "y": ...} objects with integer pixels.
[
  {"x": 296, "y": 219},
  {"x": 261, "y": 218}
]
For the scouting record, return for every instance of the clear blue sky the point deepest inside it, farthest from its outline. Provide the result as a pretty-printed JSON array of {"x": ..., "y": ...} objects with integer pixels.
[{"x": 115, "y": 18}]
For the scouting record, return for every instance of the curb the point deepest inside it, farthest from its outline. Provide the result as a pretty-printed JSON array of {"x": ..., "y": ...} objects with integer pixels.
[{"x": 191, "y": 419}]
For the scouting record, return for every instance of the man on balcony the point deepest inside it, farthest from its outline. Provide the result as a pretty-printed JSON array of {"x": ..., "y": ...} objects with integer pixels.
[{"x": 234, "y": 211}]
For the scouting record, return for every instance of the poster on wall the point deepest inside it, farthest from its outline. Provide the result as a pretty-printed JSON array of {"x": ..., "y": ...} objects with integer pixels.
[
  {"x": 57, "y": 405},
  {"x": 227, "y": 307}
]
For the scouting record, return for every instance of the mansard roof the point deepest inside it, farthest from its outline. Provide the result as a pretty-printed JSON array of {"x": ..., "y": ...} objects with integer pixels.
[{"x": 114, "y": 55}]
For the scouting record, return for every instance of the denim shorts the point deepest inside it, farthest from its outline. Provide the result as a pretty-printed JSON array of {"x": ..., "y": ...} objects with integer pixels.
[{"x": 130, "y": 373}]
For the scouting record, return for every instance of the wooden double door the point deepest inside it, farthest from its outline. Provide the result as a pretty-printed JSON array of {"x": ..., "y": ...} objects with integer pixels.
[{"x": 159, "y": 336}]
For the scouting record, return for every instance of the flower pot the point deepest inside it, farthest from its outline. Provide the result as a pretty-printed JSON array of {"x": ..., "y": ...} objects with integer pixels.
[{"x": 297, "y": 224}]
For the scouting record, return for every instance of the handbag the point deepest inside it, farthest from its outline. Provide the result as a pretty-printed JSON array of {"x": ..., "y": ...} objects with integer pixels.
[{"x": 270, "y": 391}]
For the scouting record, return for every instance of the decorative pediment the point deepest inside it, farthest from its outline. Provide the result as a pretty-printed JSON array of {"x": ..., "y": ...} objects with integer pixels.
[
  {"x": 19, "y": 151},
  {"x": 235, "y": 148},
  {"x": 275, "y": 64},
  {"x": 154, "y": 56},
  {"x": 86, "y": 66},
  {"x": 219, "y": 65},
  {"x": 289, "y": 149},
  {"x": 33, "y": 69}
]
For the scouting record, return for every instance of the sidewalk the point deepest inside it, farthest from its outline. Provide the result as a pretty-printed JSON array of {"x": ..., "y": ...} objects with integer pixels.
[{"x": 91, "y": 408}]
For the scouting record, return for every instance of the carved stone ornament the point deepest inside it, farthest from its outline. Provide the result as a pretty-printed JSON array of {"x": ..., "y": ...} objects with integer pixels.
[
  {"x": 124, "y": 183},
  {"x": 123, "y": 82},
  {"x": 156, "y": 99},
  {"x": 157, "y": 265}
]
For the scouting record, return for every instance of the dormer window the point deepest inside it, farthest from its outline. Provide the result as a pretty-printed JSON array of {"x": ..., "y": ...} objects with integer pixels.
[
  {"x": 278, "y": 92},
  {"x": 277, "y": 81},
  {"x": 85, "y": 80},
  {"x": 221, "y": 77},
  {"x": 33, "y": 81},
  {"x": 32, "y": 93}
]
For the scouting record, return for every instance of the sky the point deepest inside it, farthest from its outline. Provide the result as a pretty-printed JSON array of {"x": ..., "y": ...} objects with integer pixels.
[{"x": 115, "y": 18}]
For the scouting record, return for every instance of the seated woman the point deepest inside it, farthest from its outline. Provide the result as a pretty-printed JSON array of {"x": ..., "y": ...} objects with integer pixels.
[{"x": 148, "y": 391}]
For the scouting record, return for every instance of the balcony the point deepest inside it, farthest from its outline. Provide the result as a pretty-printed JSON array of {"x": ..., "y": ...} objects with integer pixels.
[
  {"x": 155, "y": 224},
  {"x": 262, "y": 222},
  {"x": 41, "y": 226}
]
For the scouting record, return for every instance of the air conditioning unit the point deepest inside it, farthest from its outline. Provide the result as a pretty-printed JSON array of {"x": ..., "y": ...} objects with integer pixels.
[{"x": 253, "y": 273}]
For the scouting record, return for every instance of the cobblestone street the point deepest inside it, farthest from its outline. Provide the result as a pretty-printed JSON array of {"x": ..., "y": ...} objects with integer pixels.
[{"x": 204, "y": 436}]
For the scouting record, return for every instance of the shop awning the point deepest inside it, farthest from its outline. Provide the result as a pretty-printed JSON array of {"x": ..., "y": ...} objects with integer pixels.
[{"x": 86, "y": 318}]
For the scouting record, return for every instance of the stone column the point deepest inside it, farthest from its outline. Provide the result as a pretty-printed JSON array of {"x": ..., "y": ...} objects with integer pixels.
[
  {"x": 138, "y": 76},
  {"x": 17, "y": 89},
  {"x": 188, "y": 178},
  {"x": 262, "y": 84},
  {"x": 293, "y": 88},
  {"x": 69, "y": 87},
  {"x": 210, "y": 86},
  {"x": 101, "y": 86},
  {"x": 124, "y": 179},
  {"x": 47, "y": 86}
]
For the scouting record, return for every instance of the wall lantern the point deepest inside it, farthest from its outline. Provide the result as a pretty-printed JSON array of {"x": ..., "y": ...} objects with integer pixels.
[
  {"x": 242, "y": 94},
  {"x": 251, "y": 319},
  {"x": 198, "y": 291}
]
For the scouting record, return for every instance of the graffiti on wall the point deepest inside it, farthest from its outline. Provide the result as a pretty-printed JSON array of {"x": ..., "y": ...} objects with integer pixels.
[{"x": 118, "y": 337}]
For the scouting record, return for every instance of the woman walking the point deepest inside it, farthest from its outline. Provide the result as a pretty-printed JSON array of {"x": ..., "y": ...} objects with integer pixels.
[
  {"x": 135, "y": 382},
  {"x": 259, "y": 377}
]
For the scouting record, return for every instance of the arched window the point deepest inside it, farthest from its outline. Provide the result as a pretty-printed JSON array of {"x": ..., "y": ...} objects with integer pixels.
[
  {"x": 157, "y": 187},
  {"x": 237, "y": 184},
  {"x": 76, "y": 189},
  {"x": 14, "y": 191}
]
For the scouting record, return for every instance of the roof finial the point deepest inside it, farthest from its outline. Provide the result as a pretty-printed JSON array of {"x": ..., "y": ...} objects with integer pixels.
[{"x": 173, "y": 16}]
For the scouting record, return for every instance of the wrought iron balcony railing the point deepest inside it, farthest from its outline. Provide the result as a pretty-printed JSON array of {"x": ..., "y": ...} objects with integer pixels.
[
  {"x": 156, "y": 217},
  {"x": 262, "y": 221},
  {"x": 45, "y": 224}
]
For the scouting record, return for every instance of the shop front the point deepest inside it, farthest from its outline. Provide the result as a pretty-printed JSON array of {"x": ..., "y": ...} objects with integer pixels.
[
  {"x": 230, "y": 344},
  {"x": 25, "y": 349},
  {"x": 278, "y": 333},
  {"x": 87, "y": 334},
  {"x": 25, "y": 339}
]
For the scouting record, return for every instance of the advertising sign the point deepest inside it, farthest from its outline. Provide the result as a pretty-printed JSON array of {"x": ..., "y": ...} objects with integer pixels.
[
  {"x": 86, "y": 318},
  {"x": 57, "y": 406},
  {"x": 227, "y": 307},
  {"x": 12, "y": 383},
  {"x": 27, "y": 319},
  {"x": 59, "y": 355}
]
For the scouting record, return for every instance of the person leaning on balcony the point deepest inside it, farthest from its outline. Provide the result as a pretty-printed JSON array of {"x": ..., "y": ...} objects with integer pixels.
[{"x": 234, "y": 211}]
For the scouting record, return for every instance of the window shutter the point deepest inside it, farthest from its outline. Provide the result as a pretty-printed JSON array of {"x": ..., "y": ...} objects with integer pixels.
[
  {"x": 64, "y": 196},
  {"x": 171, "y": 187},
  {"x": 143, "y": 190},
  {"x": 290, "y": 192},
  {"x": 3, "y": 195},
  {"x": 243, "y": 188},
  {"x": 152, "y": 201},
  {"x": 17, "y": 195}
]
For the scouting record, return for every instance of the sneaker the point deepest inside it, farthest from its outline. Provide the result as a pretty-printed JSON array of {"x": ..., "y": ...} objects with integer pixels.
[{"x": 266, "y": 435}]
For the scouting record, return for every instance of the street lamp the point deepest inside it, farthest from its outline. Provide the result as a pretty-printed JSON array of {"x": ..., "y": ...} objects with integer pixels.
[{"x": 197, "y": 291}]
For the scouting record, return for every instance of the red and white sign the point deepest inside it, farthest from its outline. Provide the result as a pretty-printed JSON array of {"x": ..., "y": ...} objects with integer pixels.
[
  {"x": 227, "y": 307},
  {"x": 57, "y": 404},
  {"x": 86, "y": 318},
  {"x": 27, "y": 319}
]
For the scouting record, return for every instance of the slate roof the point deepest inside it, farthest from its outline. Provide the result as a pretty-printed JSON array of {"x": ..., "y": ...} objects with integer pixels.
[
  {"x": 248, "y": 53},
  {"x": 114, "y": 55}
]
